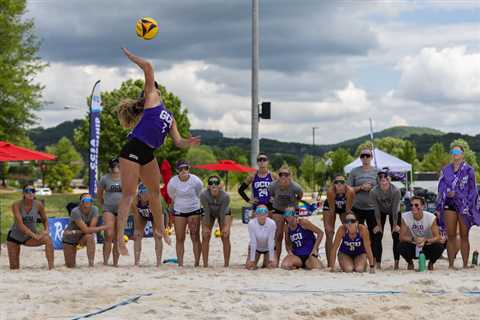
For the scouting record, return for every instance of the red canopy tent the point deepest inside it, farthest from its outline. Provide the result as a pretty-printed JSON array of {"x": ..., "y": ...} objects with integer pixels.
[
  {"x": 11, "y": 152},
  {"x": 225, "y": 165}
]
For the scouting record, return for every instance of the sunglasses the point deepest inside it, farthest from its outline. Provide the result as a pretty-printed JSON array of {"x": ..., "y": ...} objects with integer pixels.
[
  {"x": 339, "y": 182},
  {"x": 289, "y": 213},
  {"x": 365, "y": 155},
  {"x": 261, "y": 211},
  {"x": 284, "y": 174},
  {"x": 87, "y": 200},
  {"x": 456, "y": 152},
  {"x": 183, "y": 168},
  {"x": 417, "y": 205},
  {"x": 263, "y": 159},
  {"x": 29, "y": 190},
  {"x": 381, "y": 176},
  {"x": 213, "y": 183},
  {"x": 350, "y": 221}
]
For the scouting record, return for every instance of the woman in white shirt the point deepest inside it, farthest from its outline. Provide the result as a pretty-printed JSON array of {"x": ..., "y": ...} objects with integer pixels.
[
  {"x": 262, "y": 239},
  {"x": 184, "y": 189}
]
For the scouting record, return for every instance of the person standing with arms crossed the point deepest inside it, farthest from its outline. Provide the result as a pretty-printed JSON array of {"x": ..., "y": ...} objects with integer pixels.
[{"x": 362, "y": 179}]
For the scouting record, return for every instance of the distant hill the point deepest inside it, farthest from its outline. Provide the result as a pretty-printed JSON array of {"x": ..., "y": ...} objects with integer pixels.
[
  {"x": 422, "y": 137},
  {"x": 42, "y": 137}
]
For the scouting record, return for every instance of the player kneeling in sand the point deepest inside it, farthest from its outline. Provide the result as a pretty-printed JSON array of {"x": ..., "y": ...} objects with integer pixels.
[
  {"x": 261, "y": 230},
  {"x": 81, "y": 230},
  {"x": 352, "y": 242},
  {"x": 301, "y": 243}
]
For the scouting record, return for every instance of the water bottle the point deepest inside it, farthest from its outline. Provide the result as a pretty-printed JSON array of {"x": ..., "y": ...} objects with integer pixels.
[
  {"x": 475, "y": 258},
  {"x": 421, "y": 262},
  {"x": 171, "y": 260}
]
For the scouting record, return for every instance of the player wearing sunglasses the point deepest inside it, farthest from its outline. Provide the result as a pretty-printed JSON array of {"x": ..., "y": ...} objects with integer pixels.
[
  {"x": 216, "y": 206},
  {"x": 261, "y": 230},
  {"x": 184, "y": 189},
  {"x": 81, "y": 230},
  {"x": 26, "y": 212},
  {"x": 352, "y": 241},
  {"x": 340, "y": 198},
  {"x": 362, "y": 179},
  {"x": 302, "y": 240},
  {"x": 260, "y": 181},
  {"x": 419, "y": 233},
  {"x": 284, "y": 193},
  {"x": 458, "y": 204}
]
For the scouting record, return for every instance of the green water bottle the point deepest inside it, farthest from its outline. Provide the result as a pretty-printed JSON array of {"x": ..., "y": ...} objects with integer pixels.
[
  {"x": 475, "y": 258},
  {"x": 421, "y": 262}
]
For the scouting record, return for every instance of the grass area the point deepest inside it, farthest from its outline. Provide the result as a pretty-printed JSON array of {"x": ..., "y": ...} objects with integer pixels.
[{"x": 56, "y": 207}]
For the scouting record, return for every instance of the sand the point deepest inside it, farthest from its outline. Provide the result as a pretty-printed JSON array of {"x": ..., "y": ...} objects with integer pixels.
[{"x": 232, "y": 293}]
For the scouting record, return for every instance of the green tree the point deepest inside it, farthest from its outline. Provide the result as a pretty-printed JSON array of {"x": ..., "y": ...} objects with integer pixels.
[
  {"x": 409, "y": 154},
  {"x": 113, "y": 136},
  {"x": 313, "y": 171},
  {"x": 67, "y": 166},
  {"x": 338, "y": 160},
  {"x": 201, "y": 155},
  {"x": 435, "y": 159},
  {"x": 19, "y": 64}
]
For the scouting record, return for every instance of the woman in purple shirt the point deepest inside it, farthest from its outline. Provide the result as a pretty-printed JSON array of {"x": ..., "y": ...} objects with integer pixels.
[
  {"x": 151, "y": 123},
  {"x": 458, "y": 203}
]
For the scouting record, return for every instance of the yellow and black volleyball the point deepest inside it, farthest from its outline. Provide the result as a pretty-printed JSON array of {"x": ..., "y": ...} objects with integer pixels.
[{"x": 146, "y": 28}]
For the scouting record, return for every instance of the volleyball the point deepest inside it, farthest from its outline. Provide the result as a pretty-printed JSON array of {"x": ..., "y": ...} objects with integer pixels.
[{"x": 146, "y": 28}]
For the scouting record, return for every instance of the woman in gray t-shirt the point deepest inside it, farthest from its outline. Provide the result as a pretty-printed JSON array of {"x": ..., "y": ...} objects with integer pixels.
[
  {"x": 24, "y": 231},
  {"x": 109, "y": 194},
  {"x": 284, "y": 193},
  {"x": 81, "y": 230}
]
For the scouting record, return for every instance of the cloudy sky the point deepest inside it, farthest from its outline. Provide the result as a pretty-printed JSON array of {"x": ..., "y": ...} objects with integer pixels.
[{"x": 328, "y": 64}]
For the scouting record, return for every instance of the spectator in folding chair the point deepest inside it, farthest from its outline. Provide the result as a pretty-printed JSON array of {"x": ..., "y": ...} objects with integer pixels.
[
  {"x": 26, "y": 212},
  {"x": 81, "y": 230}
]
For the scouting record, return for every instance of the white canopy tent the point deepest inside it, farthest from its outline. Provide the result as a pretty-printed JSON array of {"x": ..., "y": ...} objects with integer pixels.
[{"x": 383, "y": 160}]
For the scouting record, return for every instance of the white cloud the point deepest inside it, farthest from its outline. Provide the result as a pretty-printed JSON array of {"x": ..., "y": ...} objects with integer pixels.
[{"x": 449, "y": 74}]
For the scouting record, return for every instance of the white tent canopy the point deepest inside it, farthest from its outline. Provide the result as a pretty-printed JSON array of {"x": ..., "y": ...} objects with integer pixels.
[{"x": 383, "y": 160}]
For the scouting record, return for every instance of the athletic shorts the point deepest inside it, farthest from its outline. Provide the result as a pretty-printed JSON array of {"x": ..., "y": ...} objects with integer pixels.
[
  {"x": 11, "y": 239},
  {"x": 209, "y": 219},
  {"x": 450, "y": 205},
  {"x": 326, "y": 207},
  {"x": 137, "y": 151},
  {"x": 278, "y": 211},
  {"x": 71, "y": 243},
  {"x": 188, "y": 214},
  {"x": 262, "y": 252},
  {"x": 353, "y": 256},
  {"x": 305, "y": 258}
]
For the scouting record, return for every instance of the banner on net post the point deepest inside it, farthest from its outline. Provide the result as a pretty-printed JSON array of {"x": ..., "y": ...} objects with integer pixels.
[{"x": 94, "y": 141}]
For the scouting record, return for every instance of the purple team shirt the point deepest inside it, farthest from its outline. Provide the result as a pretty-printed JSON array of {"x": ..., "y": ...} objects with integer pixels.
[{"x": 154, "y": 126}]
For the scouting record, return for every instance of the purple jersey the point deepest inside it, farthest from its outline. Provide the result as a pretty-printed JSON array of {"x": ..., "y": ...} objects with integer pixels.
[
  {"x": 260, "y": 188},
  {"x": 302, "y": 240},
  {"x": 352, "y": 247},
  {"x": 153, "y": 127},
  {"x": 144, "y": 210}
]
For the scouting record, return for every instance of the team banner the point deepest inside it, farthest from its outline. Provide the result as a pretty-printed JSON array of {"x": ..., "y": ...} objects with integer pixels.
[{"x": 95, "y": 109}]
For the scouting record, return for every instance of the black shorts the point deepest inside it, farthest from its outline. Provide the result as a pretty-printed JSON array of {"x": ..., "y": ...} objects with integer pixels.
[
  {"x": 71, "y": 243},
  {"x": 305, "y": 258},
  {"x": 278, "y": 211},
  {"x": 188, "y": 214},
  {"x": 137, "y": 151},
  {"x": 326, "y": 207},
  {"x": 450, "y": 206},
  {"x": 262, "y": 252},
  {"x": 9, "y": 238}
]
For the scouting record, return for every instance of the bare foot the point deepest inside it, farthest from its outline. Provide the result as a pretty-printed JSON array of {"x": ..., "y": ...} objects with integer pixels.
[
  {"x": 430, "y": 266},
  {"x": 396, "y": 265},
  {"x": 410, "y": 266}
]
